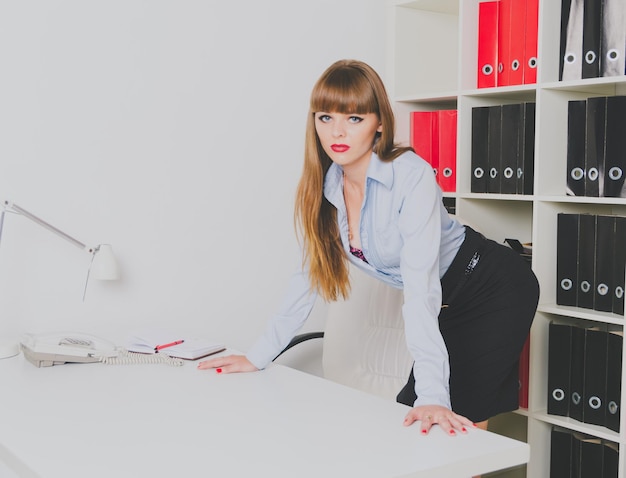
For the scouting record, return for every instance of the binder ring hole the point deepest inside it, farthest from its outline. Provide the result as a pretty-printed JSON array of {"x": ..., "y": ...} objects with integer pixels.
[
  {"x": 447, "y": 172},
  {"x": 515, "y": 65},
  {"x": 576, "y": 398},
  {"x": 590, "y": 57},
  {"x": 612, "y": 55},
  {"x": 558, "y": 394},
  {"x": 613, "y": 407},
  {"x": 585, "y": 286},
  {"x": 603, "y": 289},
  {"x": 595, "y": 402},
  {"x": 566, "y": 284},
  {"x": 479, "y": 173},
  {"x": 577, "y": 174},
  {"x": 520, "y": 173},
  {"x": 619, "y": 292},
  {"x": 593, "y": 174},
  {"x": 435, "y": 171},
  {"x": 532, "y": 62},
  {"x": 487, "y": 69},
  {"x": 508, "y": 173},
  {"x": 500, "y": 67},
  {"x": 570, "y": 58},
  {"x": 493, "y": 172},
  {"x": 615, "y": 173}
]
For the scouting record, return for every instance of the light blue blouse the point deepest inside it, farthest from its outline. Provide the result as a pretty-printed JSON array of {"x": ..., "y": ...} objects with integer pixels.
[{"x": 409, "y": 242}]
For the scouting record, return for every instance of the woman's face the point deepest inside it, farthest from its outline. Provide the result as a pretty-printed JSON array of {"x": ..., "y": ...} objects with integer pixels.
[{"x": 347, "y": 138}]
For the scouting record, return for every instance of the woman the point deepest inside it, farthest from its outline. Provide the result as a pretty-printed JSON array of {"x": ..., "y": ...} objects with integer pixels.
[{"x": 468, "y": 302}]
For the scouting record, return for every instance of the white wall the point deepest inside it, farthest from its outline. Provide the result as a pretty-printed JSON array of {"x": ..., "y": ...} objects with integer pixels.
[{"x": 172, "y": 129}]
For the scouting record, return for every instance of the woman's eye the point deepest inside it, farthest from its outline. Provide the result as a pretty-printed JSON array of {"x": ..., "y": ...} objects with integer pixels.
[
  {"x": 355, "y": 119},
  {"x": 324, "y": 118}
]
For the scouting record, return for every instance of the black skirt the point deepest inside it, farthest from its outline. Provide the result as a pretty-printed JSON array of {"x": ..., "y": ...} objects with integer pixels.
[{"x": 490, "y": 297}]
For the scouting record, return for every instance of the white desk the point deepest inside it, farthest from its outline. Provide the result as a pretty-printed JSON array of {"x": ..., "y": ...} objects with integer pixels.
[{"x": 95, "y": 420}]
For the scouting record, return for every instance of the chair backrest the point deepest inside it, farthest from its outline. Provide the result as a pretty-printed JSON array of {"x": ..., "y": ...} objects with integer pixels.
[{"x": 364, "y": 341}]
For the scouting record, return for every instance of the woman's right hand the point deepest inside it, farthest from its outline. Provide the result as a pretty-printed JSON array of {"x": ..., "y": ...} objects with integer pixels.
[{"x": 228, "y": 364}]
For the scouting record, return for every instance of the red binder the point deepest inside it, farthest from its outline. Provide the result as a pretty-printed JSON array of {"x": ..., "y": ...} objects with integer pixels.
[
  {"x": 424, "y": 137},
  {"x": 517, "y": 41},
  {"x": 487, "y": 43},
  {"x": 530, "y": 49},
  {"x": 504, "y": 43},
  {"x": 447, "y": 150}
]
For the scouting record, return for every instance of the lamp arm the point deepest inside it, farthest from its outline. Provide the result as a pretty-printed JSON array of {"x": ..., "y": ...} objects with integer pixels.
[{"x": 9, "y": 206}]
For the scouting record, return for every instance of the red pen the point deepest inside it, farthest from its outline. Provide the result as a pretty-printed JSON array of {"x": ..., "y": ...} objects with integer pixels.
[{"x": 171, "y": 344}]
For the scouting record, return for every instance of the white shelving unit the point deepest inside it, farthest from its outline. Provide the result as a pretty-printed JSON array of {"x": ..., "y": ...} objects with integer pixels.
[{"x": 432, "y": 58}]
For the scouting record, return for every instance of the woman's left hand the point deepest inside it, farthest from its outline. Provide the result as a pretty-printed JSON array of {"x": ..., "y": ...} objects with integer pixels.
[{"x": 428, "y": 415}]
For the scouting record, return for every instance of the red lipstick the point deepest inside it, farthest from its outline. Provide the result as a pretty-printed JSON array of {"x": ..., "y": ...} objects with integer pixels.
[{"x": 340, "y": 148}]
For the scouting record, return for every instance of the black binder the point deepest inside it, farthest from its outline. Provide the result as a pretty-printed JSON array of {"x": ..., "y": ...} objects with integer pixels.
[
  {"x": 526, "y": 165},
  {"x": 560, "y": 453},
  {"x": 480, "y": 148},
  {"x": 494, "y": 153},
  {"x": 594, "y": 146},
  {"x": 559, "y": 372},
  {"x": 619, "y": 267},
  {"x": 586, "y": 260},
  {"x": 576, "y": 127},
  {"x": 565, "y": 9},
  {"x": 588, "y": 456},
  {"x": 615, "y": 147},
  {"x": 594, "y": 391},
  {"x": 613, "y": 36},
  {"x": 615, "y": 341},
  {"x": 592, "y": 23},
  {"x": 611, "y": 460},
  {"x": 577, "y": 375},
  {"x": 511, "y": 127},
  {"x": 573, "y": 39},
  {"x": 575, "y": 455},
  {"x": 605, "y": 260},
  {"x": 567, "y": 259}
]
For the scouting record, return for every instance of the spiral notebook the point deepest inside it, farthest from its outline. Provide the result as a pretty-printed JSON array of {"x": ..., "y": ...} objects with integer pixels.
[{"x": 179, "y": 346}]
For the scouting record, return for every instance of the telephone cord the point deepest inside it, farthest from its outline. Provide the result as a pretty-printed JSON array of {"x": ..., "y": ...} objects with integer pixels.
[{"x": 125, "y": 357}]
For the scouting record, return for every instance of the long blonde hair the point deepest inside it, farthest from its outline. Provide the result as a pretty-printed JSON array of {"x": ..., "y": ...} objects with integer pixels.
[{"x": 347, "y": 87}]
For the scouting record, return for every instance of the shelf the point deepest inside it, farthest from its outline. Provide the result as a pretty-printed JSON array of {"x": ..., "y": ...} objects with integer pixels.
[
  {"x": 496, "y": 197},
  {"x": 513, "y": 92},
  {"x": 575, "y": 425},
  {"x": 450, "y": 7},
  {"x": 581, "y": 200},
  {"x": 583, "y": 314},
  {"x": 433, "y": 65},
  {"x": 440, "y": 98},
  {"x": 596, "y": 86}
]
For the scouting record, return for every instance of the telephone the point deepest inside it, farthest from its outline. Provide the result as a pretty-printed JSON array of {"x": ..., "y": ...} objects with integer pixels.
[
  {"x": 46, "y": 350},
  {"x": 56, "y": 349}
]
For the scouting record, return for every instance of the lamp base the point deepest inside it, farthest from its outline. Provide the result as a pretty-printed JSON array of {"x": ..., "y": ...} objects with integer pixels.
[{"x": 9, "y": 349}]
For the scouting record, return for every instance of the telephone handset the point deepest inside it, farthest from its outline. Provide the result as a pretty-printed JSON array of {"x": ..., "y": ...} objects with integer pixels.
[{"x": 56, "y": 349}]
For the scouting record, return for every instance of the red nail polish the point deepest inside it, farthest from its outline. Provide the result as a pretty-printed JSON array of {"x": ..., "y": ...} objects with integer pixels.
[
  {"x": 219, "y": 370},
  {"x": 452, "y": 432},
  {"x": 464, "y": 429},
  {"x": 424, "y": 432}
]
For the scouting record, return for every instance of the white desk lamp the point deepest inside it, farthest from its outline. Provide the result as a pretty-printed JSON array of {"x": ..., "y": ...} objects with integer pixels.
[{"x": 103, "y": 265}]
